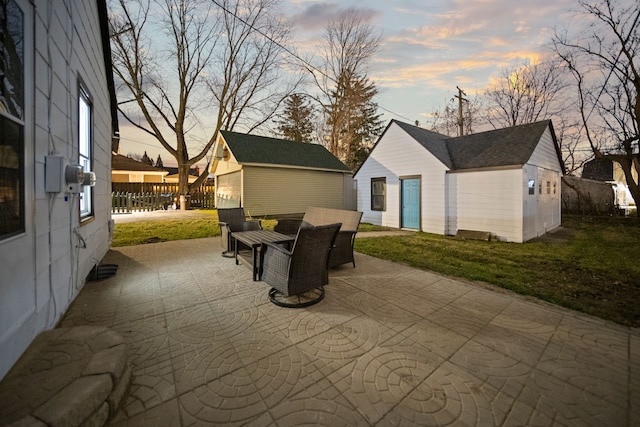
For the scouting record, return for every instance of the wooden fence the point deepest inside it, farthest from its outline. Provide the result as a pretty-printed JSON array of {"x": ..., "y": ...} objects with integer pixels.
[
  {"x": 155, "y": 187},
  {"x": 123, "y": 202}
]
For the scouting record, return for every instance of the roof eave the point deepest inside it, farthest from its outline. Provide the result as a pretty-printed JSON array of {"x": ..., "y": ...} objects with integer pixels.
[
  {"x": 487, "y": 169},
  {"x": 563, "y": 167},
  {"x": 274, "y": 165}
]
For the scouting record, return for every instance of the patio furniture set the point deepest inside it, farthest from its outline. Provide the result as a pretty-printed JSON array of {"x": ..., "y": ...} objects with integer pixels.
[{"x": 295, "y": 257}]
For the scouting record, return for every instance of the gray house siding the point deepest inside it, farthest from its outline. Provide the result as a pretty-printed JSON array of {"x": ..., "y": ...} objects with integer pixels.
[{"x": 45, "y": 267}]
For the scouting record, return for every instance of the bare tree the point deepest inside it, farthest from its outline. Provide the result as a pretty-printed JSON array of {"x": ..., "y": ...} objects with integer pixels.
[
  {"x": 604, "y": 59},
  {"x": 446, "y": 121},
  {"x": 530, "y": 93},
  {"x": 349, "y": 43},
  {"x": 570, "y": 137},
  {"x": 525, "y": 94},
  {"x": 249, "y": 86},
  {"x": 182, "y": 60}
]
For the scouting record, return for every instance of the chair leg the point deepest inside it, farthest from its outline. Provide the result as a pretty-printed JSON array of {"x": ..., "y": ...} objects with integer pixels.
[
  {"x": 230, "y": 252},
  {"x": 305, "y": 299}
]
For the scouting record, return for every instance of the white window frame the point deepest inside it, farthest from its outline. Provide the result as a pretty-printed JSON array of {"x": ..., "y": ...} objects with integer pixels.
[{"x": 85, "y": 149}]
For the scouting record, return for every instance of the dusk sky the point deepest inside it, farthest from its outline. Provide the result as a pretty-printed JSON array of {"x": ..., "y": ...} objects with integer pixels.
[{"x": 429, "y": 47}]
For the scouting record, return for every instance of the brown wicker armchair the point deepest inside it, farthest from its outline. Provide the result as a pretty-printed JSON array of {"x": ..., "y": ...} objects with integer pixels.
[
  {"x": 230, "y": 220},
  {"x": 297, "y": 277},
  {"x": 342, "y": 251}
]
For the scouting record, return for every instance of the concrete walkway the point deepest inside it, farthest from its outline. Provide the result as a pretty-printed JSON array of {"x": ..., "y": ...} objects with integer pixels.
[{"x": 389, "y": 345}]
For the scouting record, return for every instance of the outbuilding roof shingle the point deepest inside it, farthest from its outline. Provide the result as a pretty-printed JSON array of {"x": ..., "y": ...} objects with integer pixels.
[
  {"x": 273, "y": 151},
  {"x": 495, "y": 148},
  {"x": 512, "y": 146}
]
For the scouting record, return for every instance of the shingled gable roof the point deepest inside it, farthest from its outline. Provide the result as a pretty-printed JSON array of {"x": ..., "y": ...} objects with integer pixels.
[
  {"x": 253, "y": 149},
  {"x": 512, "y": 146},
  {"x": 123, "y": 163}
]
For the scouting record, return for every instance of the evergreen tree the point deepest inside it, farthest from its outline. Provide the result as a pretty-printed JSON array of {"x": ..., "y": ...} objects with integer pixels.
[
  {"x": 354, "y": 121},
  {"x": 159, "y": 163},
  {"x": 146, "y": 159},
  {"x": 296, "y": 122}
]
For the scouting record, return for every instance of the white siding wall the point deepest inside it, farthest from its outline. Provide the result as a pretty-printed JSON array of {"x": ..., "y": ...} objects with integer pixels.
[
  {"x": 276, "y": 191},
  {"x": 228, "y": 176},
  {"x": 487, "y": 201},
  {"x": 227, "y": 166},
  {"x": 545, "y": 168},
  {"x": 545, "y": 155},
  {"x": 397, "y": 155},
  {"x": 44, "y": 269},
  {"x": 541, "y": 210}
]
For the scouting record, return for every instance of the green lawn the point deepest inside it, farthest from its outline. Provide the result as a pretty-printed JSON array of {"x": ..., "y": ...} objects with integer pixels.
[
  {"x": 137, "y": 233},
  {"x": 591, "y": 266}
]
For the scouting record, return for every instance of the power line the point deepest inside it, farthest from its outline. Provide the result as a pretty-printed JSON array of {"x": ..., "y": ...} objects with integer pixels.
[{"x": 310, "y": 67}]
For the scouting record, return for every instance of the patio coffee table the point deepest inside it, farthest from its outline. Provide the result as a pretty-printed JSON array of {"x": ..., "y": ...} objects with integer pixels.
[{"x": 254, "y": 239}]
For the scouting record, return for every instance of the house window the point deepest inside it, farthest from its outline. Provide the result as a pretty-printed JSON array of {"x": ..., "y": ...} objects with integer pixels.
[
  {"x": 540, "y": 187},
  {"x": 532, "y": 186},
  {"x": 378, "y": 194},
  {"x": 548, "y": 187},
  {"x": 12, "y": 192},
  {"x": 555, "y": 185},
  {"x": 85, "y": 150}
]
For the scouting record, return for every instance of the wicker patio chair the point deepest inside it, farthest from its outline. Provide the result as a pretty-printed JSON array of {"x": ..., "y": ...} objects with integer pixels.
[
  {"x": 297, "y": 277},
  {"x": 342, "y": 251},
  {"x": 230, "y": 220},
  {"x": 288, "y": 226}
]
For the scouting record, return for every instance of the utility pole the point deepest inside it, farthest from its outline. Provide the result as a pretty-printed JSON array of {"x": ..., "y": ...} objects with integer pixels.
[{"x": 460, "y": 96}]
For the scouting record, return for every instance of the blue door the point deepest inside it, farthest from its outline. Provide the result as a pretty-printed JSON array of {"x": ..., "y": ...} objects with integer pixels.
[{"x": 410, "y": 214}]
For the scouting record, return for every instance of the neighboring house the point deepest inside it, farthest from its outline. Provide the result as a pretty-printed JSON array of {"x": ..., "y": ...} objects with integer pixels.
[
  {"x": 505, "y": 181},
  {"x": 57, "y": 108},
  {"x": 172, "y": 176},
  {"x": 270, "y": 176},
  {"x": 126, "y": 169},
  {"x": 606, "y": 170}
]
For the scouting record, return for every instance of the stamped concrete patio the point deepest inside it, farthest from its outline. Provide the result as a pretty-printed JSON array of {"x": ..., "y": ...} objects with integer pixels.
[{"x": 389, "y": 345}]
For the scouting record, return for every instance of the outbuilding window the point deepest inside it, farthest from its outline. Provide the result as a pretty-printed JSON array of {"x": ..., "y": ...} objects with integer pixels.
[{"x": 378, "y": 194}]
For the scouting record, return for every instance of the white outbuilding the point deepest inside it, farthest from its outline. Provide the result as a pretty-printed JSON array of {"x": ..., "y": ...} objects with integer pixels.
[{"x": 505, "y": 182}]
